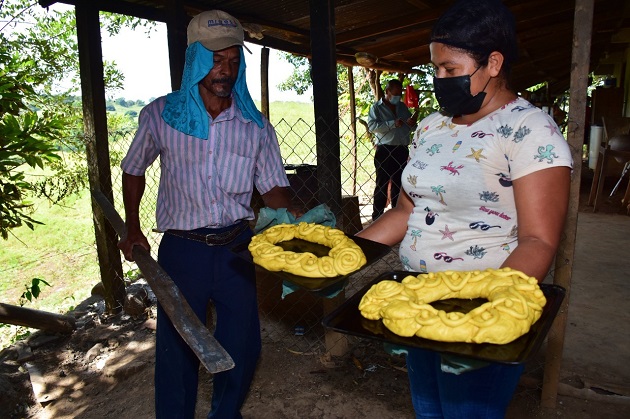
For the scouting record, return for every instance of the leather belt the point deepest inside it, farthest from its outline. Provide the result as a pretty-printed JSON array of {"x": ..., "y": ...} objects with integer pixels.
[{"x": 213, "y": 239}]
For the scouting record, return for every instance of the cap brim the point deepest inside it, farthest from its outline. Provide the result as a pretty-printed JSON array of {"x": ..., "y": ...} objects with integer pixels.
[{"x": 217, "y": 44}]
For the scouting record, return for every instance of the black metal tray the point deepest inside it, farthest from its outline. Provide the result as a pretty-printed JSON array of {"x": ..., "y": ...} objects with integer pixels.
[
  {"x": 348, "y": 319},
  {"x": 373, "y": 251}
]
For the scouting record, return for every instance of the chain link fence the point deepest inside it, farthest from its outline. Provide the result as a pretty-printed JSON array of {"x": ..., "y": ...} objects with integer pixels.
[{"x": 290, "y": 316}]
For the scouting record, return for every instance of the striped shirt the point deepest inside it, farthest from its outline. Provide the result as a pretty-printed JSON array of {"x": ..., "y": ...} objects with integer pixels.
[{"x": 206, "y": 183}]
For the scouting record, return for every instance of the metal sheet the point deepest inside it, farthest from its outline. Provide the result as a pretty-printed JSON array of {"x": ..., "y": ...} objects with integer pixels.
[{"x": 348, "y": 319}]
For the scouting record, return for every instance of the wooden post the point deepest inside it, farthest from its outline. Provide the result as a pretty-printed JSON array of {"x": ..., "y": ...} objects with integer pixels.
[
  {"x": 28, "y": 317},
  {"x": 264, "y": 81},
  {"x": 325, "y": 103},
  {"x": 583, "y": 23},
  {"x": 353, "y": 128},
  {"x": 337, "y": 344},
  {"x": 176, "y": 25},
  {"x": 97, "y": 149},
  {"x": 326, "y": 107}
]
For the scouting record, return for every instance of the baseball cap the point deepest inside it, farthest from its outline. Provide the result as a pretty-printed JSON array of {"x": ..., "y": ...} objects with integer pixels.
[{"x": 216, "y": 30}]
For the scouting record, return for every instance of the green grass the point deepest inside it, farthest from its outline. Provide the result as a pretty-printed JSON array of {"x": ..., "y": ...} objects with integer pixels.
[{"x": 61, "y": 252}]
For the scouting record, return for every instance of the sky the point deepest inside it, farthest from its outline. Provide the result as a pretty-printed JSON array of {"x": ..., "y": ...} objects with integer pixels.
[{"x": 143, "y": 59}]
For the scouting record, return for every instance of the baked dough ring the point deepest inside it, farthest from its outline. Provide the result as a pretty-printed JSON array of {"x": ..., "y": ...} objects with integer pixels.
[
  {"x": 344, "y": 257},
  {"x": 515, "y": 302}
]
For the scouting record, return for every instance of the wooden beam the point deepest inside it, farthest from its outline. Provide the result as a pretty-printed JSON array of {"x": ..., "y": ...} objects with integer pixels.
[
  {"x": 97, "y": 150},
  {"x": 28, "y": 317},
  {"x": 353, "y": 128},
  {"x": 264, "y": 81},
  {"x": 412, "y": 22},
  {"x": 176, "y": 35},
  {"x": 279, "y": 44},
  {"x": 117, "y": 6},
  {"x": 383, "y": 66},
  {"x": 325, "y": 103},
  {"x": 566, "y": 251}
]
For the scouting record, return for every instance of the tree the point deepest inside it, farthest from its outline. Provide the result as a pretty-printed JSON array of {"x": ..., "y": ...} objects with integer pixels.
[
  {"x": 27, "y": 137},
  {"x": 40, "y": 116}
]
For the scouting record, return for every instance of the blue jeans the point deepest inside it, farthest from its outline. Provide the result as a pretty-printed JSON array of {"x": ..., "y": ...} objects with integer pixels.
[
  {"x": 483, "y": 393},
  {"x": 205, "y": 273}
]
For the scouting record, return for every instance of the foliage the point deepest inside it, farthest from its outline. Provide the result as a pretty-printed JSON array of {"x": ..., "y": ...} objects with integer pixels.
[
  {"x": 423, "y": 83},
  {"x": 26, "y": 137},
  {"x": 39, "y": 114},
  {"x": 32, "y": 291},
  {"x": 300, "y": 80}
]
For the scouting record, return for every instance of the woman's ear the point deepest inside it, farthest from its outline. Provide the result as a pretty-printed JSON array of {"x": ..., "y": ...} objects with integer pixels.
[{"x": 495, "y": 63}]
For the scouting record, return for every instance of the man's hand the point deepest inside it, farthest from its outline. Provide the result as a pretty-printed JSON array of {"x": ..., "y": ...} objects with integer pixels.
[
  {"x": 132, "y": 239},
  {"x": 398, "y": 123}
]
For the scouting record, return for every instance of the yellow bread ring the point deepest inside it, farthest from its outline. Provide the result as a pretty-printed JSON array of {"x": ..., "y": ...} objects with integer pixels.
[
  {"x": 515, "y": 302},
  {"x": 344, "y": 257}
]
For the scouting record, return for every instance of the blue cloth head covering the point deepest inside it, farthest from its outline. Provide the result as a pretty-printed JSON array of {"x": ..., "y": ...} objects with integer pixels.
[{"x": 184, "y": 109}]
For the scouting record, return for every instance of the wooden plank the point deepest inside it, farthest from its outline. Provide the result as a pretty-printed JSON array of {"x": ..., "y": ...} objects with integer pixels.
[
  {"x": 325, "y": 103},
  {"x": 210, "y": 352},
  {"x": 97, "y": 150},
  {"x": 28, "y": 317},
  {"x": 176, "y": 36},
  {"x": 43, "y": 389},
  {"x": 353, "y": 129},
  {"x": 565, "y": 254},
  {"x": 117, "y": 6},
  {"x": 264, "y": 81}
]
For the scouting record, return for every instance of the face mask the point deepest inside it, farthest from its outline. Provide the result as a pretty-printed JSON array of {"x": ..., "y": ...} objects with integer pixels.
[
  {"x": 453, "y": 95},
  {"x": 394, "y": 100}
]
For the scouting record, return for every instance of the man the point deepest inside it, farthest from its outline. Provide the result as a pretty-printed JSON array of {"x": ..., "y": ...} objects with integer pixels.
[
  {"x": 214, "y": 146},
  {"x": 391, "y": 123}
]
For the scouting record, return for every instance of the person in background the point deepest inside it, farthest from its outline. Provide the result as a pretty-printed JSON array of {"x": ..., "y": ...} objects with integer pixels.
[
  {"x": 486, "y": 186},
  {"x": 214, "y": 147},
  {"x": 391, "y": 123}
]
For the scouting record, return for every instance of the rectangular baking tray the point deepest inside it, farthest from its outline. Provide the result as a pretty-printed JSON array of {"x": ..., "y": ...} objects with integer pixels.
[
  {"x": 373, "y": 252},
  {"x": 348, "y": 319}
]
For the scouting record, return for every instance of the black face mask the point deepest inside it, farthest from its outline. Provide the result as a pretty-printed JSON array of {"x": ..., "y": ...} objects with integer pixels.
[{"x": 453, "y": 95}]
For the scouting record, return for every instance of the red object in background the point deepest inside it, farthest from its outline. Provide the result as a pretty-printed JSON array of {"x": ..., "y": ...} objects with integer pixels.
[{"x": 411, "y": 97}]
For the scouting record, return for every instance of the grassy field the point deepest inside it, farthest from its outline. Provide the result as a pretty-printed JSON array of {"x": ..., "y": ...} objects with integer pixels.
[{"x": 62, "y": 251}]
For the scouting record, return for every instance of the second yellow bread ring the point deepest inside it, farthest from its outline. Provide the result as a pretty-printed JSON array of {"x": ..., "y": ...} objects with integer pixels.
[{"x": 514, "y": 303}]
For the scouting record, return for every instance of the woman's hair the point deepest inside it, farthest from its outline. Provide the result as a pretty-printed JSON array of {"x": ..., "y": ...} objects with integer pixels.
[{"x": 479, "y": 27}]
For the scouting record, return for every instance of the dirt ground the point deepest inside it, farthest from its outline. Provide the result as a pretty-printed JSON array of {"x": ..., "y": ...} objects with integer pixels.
[{"x": 105, "y": 368}]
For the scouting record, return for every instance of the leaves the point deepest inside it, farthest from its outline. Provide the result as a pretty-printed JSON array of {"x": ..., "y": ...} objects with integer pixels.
[
  {"x": 39, "y": 117},
  {"x": 32, "y": 291}
]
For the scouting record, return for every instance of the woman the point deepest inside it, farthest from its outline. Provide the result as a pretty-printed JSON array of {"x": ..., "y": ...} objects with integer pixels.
[{"x": 486, "y": 186}]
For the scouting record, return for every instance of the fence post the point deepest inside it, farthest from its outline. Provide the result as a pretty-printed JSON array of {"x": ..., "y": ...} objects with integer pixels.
[
  {"x": 583, "y": 24},
  {"x": 325, "y": 103},
  {"x": 97, "y": 150}
]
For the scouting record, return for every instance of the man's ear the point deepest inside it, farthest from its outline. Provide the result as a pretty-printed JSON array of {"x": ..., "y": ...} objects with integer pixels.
[{"x": 495, "y": 63}]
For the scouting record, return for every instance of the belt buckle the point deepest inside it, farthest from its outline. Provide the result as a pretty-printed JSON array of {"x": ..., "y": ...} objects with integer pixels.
[{"x": 208, "y": 238}]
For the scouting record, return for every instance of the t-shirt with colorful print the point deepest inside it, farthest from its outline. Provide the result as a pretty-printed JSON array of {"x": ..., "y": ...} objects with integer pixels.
[{"x": 459, "y": 178}]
